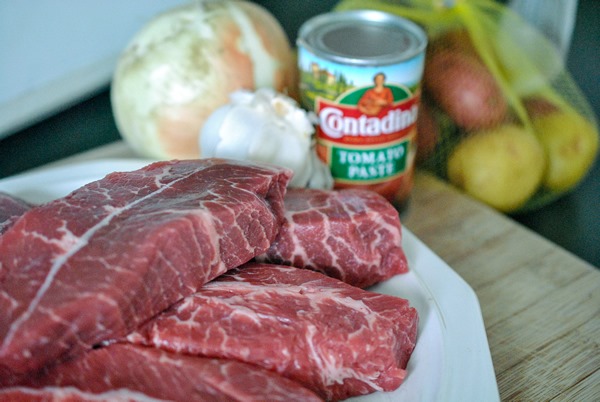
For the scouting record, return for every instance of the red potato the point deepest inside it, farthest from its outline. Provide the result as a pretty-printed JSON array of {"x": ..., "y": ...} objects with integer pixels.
[
  {"x": 464, "y": 89},
  {"x": 428, "y": 132},
  {"x": 538, "y": 106},
  {"x": 455, "y": 39}
]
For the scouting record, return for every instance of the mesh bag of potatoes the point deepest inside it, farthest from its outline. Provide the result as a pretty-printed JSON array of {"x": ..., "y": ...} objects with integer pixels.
[{"x": 501, "y": 118}]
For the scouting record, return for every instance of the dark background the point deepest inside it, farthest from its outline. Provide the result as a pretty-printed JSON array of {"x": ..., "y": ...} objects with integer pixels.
[{"x": 572, "y": 222}]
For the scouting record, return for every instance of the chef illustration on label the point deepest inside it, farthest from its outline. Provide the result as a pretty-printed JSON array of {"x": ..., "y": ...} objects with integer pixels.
[{"x": 375, "y": 99}]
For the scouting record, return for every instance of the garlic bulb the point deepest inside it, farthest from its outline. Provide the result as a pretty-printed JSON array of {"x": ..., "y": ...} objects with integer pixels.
[{"x": 266, "y": 126}]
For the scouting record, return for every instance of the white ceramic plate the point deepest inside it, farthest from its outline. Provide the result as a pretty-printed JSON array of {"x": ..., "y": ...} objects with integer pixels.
[{"x": 451, "y": 361}]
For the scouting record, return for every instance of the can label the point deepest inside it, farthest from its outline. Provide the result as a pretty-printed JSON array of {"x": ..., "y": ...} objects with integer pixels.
[
  {"x": 367, "y": 118},
  {"x": 364, "y": 147},
  {"x": 360, "y": 72}
]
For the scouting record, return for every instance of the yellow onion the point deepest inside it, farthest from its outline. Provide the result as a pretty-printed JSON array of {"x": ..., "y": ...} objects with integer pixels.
[{"x": 184, "y": 64}]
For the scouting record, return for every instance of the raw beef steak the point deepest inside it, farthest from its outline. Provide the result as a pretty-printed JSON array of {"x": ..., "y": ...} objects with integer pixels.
[
  {"x": 70, "y": 394},
  {"x": 351, "y": 235},
  {"x": 333, "y": 338},
  {"x": 97, "y": 263},
  {"x": 10, "y": 209},
  {"x": 170, "y": 376}
]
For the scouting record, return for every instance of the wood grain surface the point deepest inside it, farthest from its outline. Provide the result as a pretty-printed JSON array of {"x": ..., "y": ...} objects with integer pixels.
[{"x": 540, "y": 304}]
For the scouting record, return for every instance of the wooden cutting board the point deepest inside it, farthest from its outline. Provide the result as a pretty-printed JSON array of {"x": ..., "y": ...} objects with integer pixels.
[{"x": 540, "y": 304}]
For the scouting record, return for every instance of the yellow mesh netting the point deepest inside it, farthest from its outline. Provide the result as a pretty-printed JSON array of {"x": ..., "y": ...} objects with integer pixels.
[{"x": 502, "y": 118}]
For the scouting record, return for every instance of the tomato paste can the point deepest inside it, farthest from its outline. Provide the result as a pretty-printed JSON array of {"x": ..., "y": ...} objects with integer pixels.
[{"x": 360, "y": 73}]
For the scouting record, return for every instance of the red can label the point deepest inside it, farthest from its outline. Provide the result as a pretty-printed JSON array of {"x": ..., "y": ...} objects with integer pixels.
[
  {"x": 366, "y": 134},
  {"x": 367, "y": 125}
]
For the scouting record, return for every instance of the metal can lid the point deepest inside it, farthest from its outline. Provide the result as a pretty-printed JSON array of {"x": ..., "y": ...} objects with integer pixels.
[{"x": 362, "y": 37}]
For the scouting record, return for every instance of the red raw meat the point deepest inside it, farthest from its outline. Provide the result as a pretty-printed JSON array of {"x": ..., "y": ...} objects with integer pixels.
[
  {"x": 333, "y": 338},
  {"x": 70, "y": 394},
  {"x": 94, "y": 265},
  {"x": 352, "y": 235},
  {"x": 171, "y": 376}
]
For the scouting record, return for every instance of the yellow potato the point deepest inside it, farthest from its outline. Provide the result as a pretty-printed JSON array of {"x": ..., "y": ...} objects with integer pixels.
[
  {"x": 502, "y": 167},
  {"x": 571, "y": 144}
]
